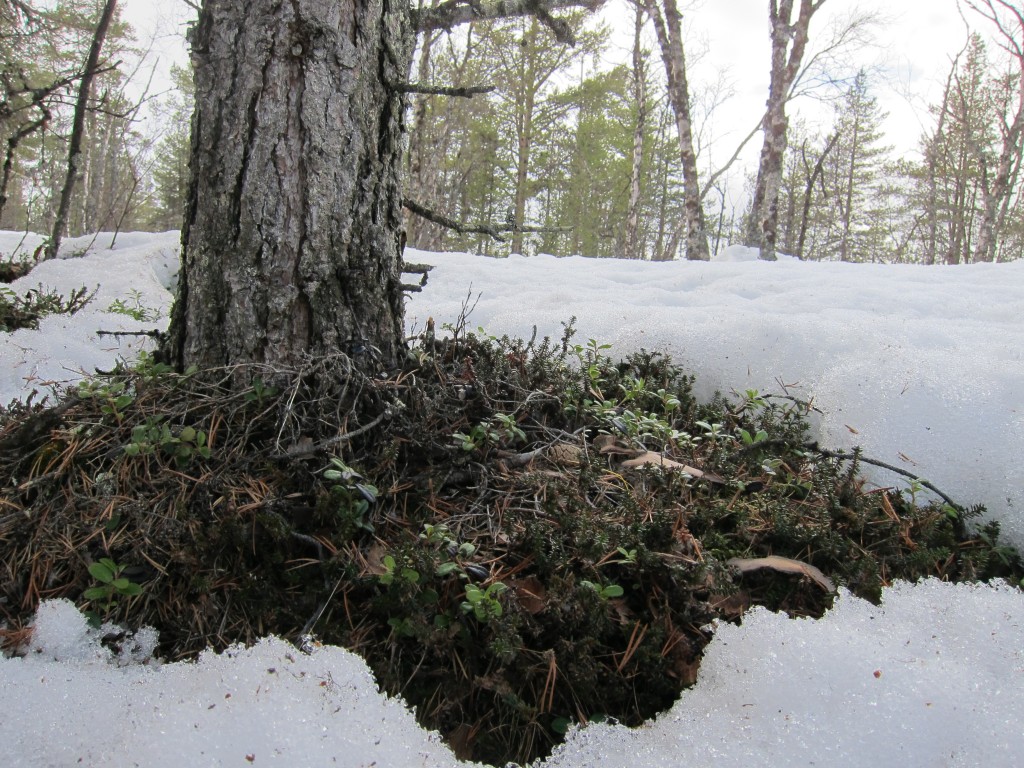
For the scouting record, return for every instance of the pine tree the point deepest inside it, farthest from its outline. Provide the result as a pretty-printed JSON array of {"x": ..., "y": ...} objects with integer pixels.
[{"x": 854, "y": 170}]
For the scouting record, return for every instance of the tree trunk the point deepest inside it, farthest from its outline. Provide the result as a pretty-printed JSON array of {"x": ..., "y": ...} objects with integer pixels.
[
  {"x": 526, "y": 95},
  {"x": 633, "y": 248},
  {"x": 291, "y": 241},
  {"x": 78, "y": 128},
  {"x": 670, "y": 39},
  {"x": 1008, "y": 19},
  {"x": 809, "y": 193},
  {"x": 762, "y": 225}
]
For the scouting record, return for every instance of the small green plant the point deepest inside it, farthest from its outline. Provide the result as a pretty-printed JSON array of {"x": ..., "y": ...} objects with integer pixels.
[
  {"x": 134, "y": 308},
  {"x": 440, "y": 537},
  {"x": 149, "y": 368},
  {"x": 759, "y": 437},
  {"x": 393, "y": 574},
  {"x": 605, "y": 591},
  {"x": 628, "y": 556},
  {"x": 752, "y": 400},
  {"x": 483, "y": 604},
  {"x": 25, "y": 311},
  {"x": 115, "y": 395},
  {"x": 712, "y": 430},
  {"x": 181, "y": 447},
  {"x": 500, "y": 430},
  {"x": 259, "y": 391},
  {"x": 112, "y": 584}
]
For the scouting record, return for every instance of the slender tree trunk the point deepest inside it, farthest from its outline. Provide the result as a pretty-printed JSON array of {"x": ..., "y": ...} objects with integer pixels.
[
  {"x": 789, "y": 41},
  {"x": 670, "y": 39},
  {"x": 809, "y": 193},
  {"x": 78, "y": 128},
  {"x": 421, "y": 169},
  {"x": 524, "y": 131},
  {"x": 1008, "y": 18},
  {"x": 291, "y": 240},
  {"x": 633, "y": 248}
]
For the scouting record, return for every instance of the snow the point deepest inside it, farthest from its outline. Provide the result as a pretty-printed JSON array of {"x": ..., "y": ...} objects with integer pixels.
[{"x": 922, "y": 366}]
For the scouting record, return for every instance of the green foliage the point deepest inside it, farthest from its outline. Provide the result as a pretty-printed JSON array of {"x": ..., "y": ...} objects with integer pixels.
[
  {"x": 350, "y": 497},
  {"x": 18, "y": 311},
  {"x": 259, "y": 392},
  {"x": 114, "y": 396},
  {"x": 605, "y": 591},
  {"x": 134, "y": 308},
  {"x": 182, "y": 445},
  {"x": 112, "y": 584},
  {"x": 500, "y": 430},
  {"x": 483, "y": 604}
]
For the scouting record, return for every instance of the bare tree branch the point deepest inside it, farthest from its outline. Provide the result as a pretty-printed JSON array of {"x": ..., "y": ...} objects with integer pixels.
[
  {"x": 438, "y": 90},
  {"x": 454, "y": 13},
  {"x": 475, "y": 229}
]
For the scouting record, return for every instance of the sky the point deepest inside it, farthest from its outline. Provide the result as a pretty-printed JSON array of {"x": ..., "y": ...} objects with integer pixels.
[{"x": 922, "y": 366}]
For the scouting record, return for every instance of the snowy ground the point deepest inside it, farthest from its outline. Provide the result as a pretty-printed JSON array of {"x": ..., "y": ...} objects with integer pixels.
[{"x": 922, "y": 366}]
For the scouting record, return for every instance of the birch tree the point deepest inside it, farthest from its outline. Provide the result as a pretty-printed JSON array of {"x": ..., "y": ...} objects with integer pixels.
[
  {"x": 667, "y": 19},
  {"x": 789, "y": 35},
  {"x": 1001, "y": 168}
]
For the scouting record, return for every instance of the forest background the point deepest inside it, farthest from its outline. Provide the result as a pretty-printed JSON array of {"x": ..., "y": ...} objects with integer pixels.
[{"x": 578, "y": 143}]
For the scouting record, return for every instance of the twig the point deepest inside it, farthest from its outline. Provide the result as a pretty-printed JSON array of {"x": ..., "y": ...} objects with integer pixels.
[
  {"x": 306, "y": 450},
  {"x": 152, "y": 334},
  {"x": 463, "y": 229},
  {"x": 467, "y": 92},
  {"x": 306, "y": 643},
  {"x": 958, "y": 524},
  {"x": 479, "y": 229}
]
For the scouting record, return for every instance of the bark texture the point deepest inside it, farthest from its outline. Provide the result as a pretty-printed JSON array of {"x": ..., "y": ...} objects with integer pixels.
[
  {"x": 789, "y": 42},
  {"x": 670, "y": 39},
  {"x": 291, "y": 241}
]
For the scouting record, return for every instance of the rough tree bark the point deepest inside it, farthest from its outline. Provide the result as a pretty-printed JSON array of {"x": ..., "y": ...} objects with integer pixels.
[
  {"x": 670, "y": 40},
  {"x": 291, "y": 245},
  {"x": 291, "y": 240},
  {"x": 789, "y": 42}
]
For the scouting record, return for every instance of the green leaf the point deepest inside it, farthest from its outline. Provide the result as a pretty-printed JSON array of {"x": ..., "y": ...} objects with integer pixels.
[
  {"x": 369, "y": 492},
  {"x": 446, "y": 569},
  {"x": 613, "y": 590},
  {"x": 103, "y": 570},
  {"x": 96, "y": 593},
  {"x": 188, "y": 434}
]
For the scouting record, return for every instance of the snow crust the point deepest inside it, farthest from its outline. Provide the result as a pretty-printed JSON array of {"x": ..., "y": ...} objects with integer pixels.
[
  {"x": 921, "y": 366},
  {"x": 932, "y": 677}
]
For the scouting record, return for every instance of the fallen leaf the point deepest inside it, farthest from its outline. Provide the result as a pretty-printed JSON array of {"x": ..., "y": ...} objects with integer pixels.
[
  {"x": 650, "y": 458},
  {"x": 731, "y": 606},
  {"x": 530, "y": 593},
  {"x": 657, "y": 460},
  {"x": 782, "y": 565}
]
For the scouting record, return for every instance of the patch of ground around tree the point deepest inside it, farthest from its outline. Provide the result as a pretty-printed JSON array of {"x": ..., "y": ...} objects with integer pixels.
[{"x": 515, "y": 535}]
